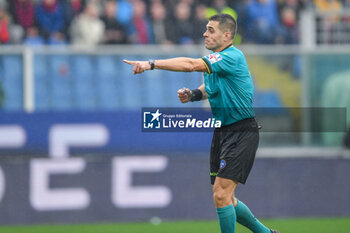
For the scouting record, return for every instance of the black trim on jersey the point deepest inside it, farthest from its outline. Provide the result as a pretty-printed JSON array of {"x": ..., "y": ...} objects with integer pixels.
[
  {"x": 208, "y": 65},
  {"x": 228, "y": 46}
]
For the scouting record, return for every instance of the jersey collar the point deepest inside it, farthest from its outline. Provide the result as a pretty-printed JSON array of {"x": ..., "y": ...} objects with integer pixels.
[{"x": 228, "y": 46}]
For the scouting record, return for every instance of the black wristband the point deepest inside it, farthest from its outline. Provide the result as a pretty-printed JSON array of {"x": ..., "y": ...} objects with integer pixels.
[
  {"x": 196, "y": 95},
  {"x": 151, "y": 62}
]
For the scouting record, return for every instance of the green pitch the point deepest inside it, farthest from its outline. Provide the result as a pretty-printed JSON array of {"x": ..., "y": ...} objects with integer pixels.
[{"x": 336, "y": 225}]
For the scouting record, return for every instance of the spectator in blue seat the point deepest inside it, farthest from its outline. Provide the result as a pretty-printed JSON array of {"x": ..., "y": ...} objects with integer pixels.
[
  {"x": 114, "y": 31},
  {"x": 262, "y": 21},
  {"x": 288, "y": 32},
  {"x": 33, "y": 38},
  {"x": 50, "y": 17},
  {"x": 124, "y": 12},
  {"x": 58, "y": 38},
  {"x": 141, "y": 27}
]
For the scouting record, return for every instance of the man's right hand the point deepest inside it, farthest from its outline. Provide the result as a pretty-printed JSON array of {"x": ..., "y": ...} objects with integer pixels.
[
  {"x": 139, "y": 66},
  {"x": 184, "y": 95}
]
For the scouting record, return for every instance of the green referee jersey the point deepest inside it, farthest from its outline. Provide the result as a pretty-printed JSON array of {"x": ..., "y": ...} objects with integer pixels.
[{"x": 229, "y": 85}]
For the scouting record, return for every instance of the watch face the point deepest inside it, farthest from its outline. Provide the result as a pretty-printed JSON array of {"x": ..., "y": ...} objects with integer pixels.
[{"x": 151, "y": 62}]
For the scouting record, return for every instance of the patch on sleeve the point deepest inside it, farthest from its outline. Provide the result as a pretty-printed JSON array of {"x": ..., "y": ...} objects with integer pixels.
[{"x": 214, "y": 57}]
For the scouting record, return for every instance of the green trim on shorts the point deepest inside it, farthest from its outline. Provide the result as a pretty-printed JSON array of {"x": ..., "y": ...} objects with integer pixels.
[{"x": 213, "y": 173}]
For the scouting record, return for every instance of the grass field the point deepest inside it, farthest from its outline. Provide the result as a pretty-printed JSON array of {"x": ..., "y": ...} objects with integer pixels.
[{"x": 335, "y": 225}]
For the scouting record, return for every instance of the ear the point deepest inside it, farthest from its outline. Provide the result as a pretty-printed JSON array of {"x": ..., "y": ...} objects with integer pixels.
[{"x": 227, "y": 36}]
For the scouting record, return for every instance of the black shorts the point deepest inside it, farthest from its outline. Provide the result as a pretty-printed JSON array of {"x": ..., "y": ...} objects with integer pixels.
[{"x": 233, "y": 150}]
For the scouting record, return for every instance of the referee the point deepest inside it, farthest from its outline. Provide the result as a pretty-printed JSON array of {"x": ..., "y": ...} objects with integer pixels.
[{"x": 229, "y": 88}]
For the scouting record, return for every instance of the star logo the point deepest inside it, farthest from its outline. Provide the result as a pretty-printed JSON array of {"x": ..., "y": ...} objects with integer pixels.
[
  {"x": 151, "y": 119},
  {"x": 156, "y": 115}
]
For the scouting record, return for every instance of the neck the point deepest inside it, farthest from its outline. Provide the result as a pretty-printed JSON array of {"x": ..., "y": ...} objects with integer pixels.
[{"x": 223, "y": 47}]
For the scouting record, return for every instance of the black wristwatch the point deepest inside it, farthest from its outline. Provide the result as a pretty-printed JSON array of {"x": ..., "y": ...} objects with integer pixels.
[{"x": 151, "y": 62}]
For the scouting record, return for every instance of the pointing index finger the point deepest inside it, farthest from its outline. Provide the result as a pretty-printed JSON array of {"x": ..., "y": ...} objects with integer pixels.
[{"x": 129, "y": 62}]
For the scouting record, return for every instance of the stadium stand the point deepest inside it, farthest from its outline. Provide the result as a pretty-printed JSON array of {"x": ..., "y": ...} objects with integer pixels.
[
  {"x": 60, "y": 82},
  {"x": 12, "y": 81},
  {"x": 41, "y": 73},
  {"x": 142, "y": 21},
  {"x": 107, "y": 83}
]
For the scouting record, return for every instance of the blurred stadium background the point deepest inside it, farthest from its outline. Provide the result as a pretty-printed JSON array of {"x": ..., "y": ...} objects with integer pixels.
[{"x": 71, "y": 146}]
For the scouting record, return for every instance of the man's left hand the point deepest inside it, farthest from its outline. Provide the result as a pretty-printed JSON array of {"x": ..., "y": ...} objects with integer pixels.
[{"x": 184, "y": 95}]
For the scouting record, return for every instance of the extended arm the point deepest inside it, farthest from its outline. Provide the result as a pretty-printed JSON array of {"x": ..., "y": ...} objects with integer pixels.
[{"x": 183, "y": 64}]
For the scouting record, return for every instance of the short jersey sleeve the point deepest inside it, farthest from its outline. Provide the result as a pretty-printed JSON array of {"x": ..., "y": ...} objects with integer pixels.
[{"x": 219, "y": 63}]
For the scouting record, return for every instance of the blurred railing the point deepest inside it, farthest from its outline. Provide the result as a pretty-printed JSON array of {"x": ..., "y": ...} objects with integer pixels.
[
  {"x": 324, "y": 28},
  {"x": 333, "y": 27}
]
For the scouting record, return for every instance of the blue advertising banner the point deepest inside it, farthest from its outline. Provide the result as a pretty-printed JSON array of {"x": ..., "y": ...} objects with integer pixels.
[
  {"x": 91, "y": 167},
  {"x": 103, "y": 132},
  {"x": 141, "y": 187}
]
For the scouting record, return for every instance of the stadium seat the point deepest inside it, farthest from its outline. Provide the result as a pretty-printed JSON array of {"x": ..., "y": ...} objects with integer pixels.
[
  {"x": 130, "y": 86},
  {"x": 174, "y": 82},
  {"x": 41, "y": 81},
  {"x": 107, "y": 88},
  {"x": 84, "y": 96},
  {"x": 60, "y": 83},
  {"x": 61, "y": 103},
  {"x": 155, "y": 93},
  {"x": 40, "y": 67},
  {"x": 83, "y": 67},
  {"x": 267, "y": 99},
  {"x": 106, "y": 66},
  {"x": 12, "y": 83},
  {"x": 42, "y": 94},
  {"x": 83, "y": 79},
  {"x": 13, "y": 95},
  {"x": 12, "y": 67},
  {"x": 42, "y": 99}
]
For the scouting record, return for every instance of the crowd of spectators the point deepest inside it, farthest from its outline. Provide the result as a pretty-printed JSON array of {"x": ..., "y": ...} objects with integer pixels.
[{"x": 92, "y": 22}]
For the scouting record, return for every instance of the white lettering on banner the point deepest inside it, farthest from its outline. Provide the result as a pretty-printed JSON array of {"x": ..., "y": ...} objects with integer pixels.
[
  {"x": 61, "y": 137},
  {"x": 2, "y": 184},
  {"x": 43, "y": 198},
  {"x": 12, "y": 136},
  {"x": 64, "y": 136},
  {"x": 124, "y": 195}
]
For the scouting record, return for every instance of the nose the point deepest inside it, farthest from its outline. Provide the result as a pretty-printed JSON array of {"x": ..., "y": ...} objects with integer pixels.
[{"x": 205, "y": 34}]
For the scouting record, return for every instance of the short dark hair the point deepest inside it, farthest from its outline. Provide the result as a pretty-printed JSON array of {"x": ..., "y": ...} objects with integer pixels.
[{"x": 226, "y": 23}]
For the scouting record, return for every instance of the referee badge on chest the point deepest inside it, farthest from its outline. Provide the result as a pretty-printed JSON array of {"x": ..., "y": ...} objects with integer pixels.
[{"x": 222, "y": 164}]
